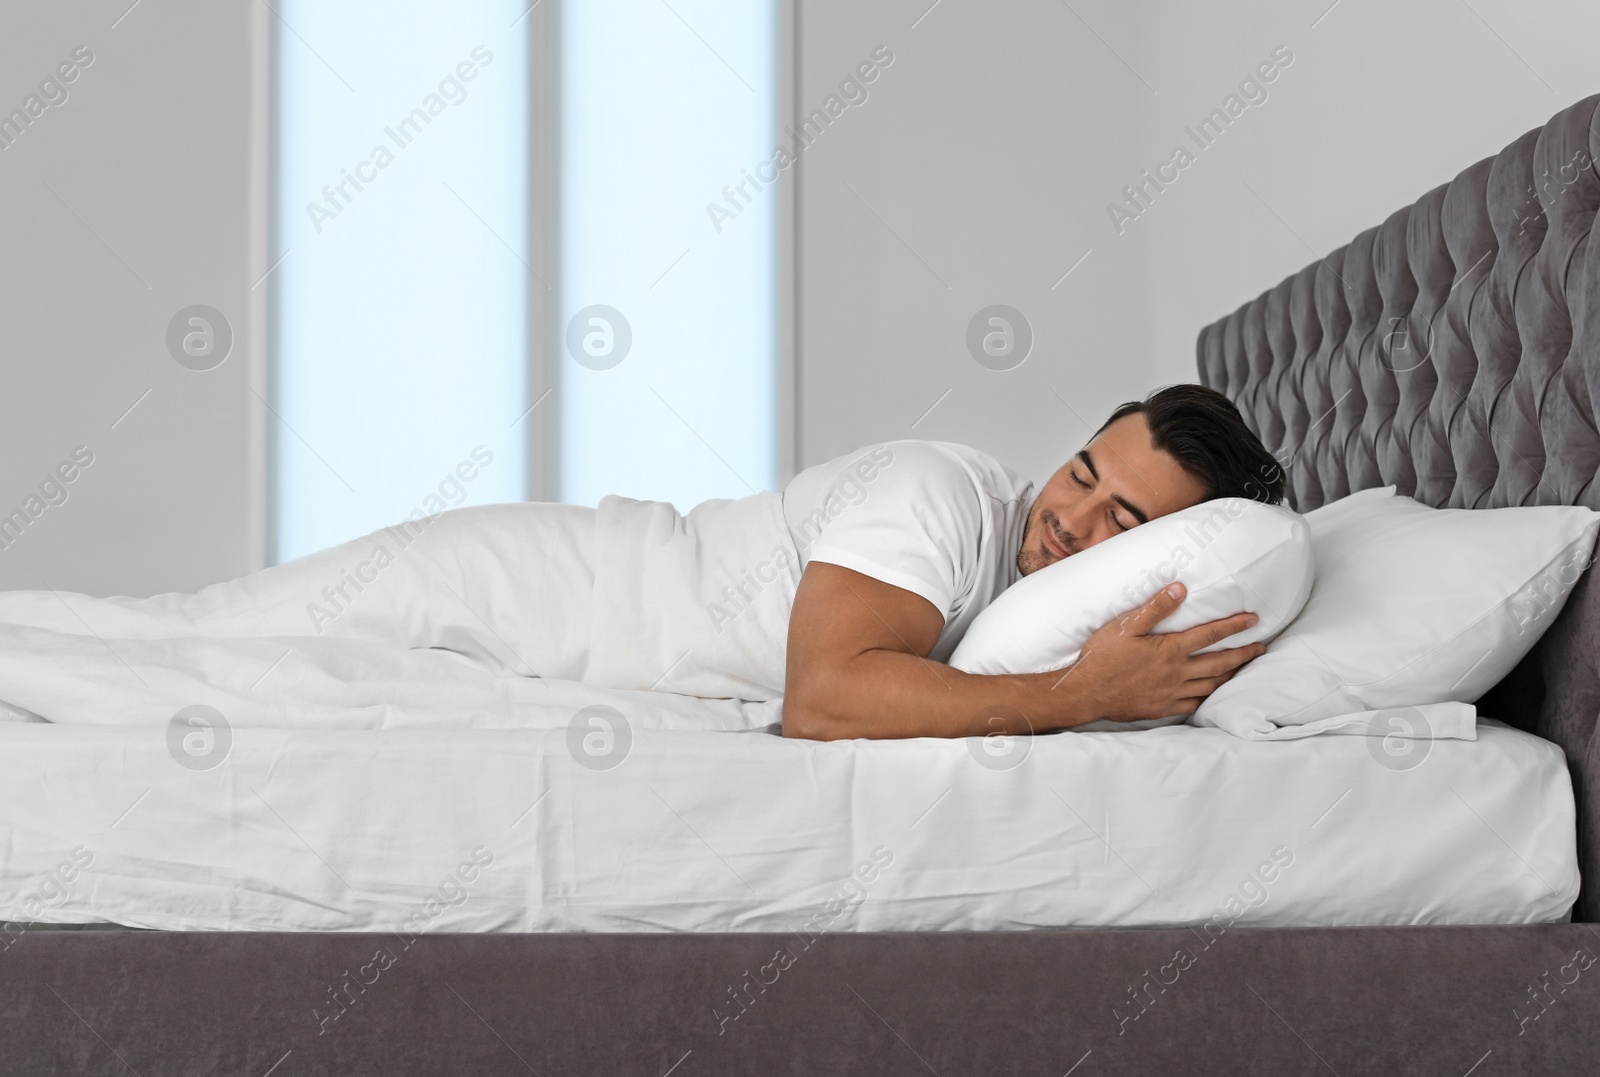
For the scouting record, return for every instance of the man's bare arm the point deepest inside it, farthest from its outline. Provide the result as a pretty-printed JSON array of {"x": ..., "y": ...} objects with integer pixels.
[{"x": 858, "y": 667}]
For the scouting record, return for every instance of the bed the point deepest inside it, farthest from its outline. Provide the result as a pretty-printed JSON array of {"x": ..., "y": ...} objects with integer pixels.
[{"x": 728, "y": 902}]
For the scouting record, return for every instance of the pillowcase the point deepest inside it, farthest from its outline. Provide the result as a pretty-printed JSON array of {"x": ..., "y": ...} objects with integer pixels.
[
  {"x": 1412, "y": 606},
  {"x": 1233, "y": 555}
]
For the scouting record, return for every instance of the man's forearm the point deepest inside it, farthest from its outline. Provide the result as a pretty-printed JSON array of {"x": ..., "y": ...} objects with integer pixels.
[{"x": 888, "y": 694}]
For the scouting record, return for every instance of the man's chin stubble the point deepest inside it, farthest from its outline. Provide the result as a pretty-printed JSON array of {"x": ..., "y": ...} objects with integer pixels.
[{"x": 1026, "y": 564}]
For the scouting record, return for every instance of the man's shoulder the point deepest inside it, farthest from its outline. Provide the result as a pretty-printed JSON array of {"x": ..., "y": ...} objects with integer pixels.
[
  {"x": 930, "y": 479},
  {"x": 938, "y": 458},
  {"x": 959, "y": 462}
]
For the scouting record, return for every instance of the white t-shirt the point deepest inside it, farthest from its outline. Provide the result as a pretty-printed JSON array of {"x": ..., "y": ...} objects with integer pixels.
[{"x": 940, "y": 520}]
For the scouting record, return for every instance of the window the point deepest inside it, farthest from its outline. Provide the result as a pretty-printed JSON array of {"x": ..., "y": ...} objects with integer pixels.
[
  {"x": 401, "y": 281},
  {"x": 668, "y": 319},
  {"x": 400, "y": 351}
]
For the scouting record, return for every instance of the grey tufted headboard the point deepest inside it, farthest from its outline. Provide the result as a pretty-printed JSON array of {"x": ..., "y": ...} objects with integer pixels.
[{"x": 1454, "y": 351}]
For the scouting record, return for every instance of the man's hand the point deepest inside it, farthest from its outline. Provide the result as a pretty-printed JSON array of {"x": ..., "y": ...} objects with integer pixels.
[{"x": 1131, "y": 673}]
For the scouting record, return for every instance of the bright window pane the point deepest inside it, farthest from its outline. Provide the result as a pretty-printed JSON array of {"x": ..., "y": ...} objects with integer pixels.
[
  {"x": 663, "y": 106},
  {"x": 400, "y": 303}
]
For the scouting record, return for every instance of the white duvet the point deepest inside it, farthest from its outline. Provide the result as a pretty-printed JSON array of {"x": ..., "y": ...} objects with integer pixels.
[{"x": 457, "y": 614}]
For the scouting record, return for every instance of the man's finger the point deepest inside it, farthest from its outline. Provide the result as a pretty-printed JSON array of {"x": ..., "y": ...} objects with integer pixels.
[
  {"x": 1200, "y": 637},
  {"x": 1204, "y": 686},
  {"x": 1157, "y": 609},
  {"x": 1216, "y": 663}
]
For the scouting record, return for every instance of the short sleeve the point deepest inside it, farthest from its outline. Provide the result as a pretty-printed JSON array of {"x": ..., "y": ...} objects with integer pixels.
[{"x": 909, "y": 513}]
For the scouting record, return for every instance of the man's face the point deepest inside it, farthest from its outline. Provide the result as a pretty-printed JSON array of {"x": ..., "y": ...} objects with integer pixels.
[{"x": 1117, "y": 481}]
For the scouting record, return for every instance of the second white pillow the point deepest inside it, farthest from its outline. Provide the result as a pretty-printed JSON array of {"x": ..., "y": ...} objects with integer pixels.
[{"x": 1413, "y": 605}]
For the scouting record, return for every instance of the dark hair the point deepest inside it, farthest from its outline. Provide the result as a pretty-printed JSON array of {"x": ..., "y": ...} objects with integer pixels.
[{"x": 1204, "y": 432}]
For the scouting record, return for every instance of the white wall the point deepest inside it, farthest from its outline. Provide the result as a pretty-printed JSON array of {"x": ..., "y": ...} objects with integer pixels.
[
  {"x": 124, "y": 204},
  {"x": 995, "y": 142},
  {"x": 970, "y": 177},
  {"x": 1382, "y": 103}
]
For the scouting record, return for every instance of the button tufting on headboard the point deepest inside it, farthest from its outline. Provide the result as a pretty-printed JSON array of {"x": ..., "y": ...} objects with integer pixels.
[{"x": 1452, "y": 351}]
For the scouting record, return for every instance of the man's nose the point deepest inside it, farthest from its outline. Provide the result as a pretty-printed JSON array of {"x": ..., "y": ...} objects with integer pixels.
[{"x": 1083, "y": 522}]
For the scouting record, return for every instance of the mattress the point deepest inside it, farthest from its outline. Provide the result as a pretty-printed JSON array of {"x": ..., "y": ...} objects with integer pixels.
[{"x": 659, "y": 830}]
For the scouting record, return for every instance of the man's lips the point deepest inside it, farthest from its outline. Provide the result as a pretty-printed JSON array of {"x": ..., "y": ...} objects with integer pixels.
[{"x": 1053, "y": 546}]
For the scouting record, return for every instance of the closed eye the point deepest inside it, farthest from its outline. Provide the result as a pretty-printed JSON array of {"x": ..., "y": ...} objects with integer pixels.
[{"x": 1115, "y": 519}]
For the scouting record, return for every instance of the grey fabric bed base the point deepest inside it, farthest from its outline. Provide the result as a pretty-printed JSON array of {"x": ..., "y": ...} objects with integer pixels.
[{"x": 1350, "y": 1001}]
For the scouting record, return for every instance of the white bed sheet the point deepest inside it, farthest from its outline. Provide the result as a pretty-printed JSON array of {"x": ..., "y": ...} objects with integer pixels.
[{"x": 361, "y": 830}]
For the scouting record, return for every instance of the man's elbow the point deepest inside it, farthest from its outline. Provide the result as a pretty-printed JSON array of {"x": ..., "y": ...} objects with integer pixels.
[
  {"x": 820, "y": 702},
  {"x": 802, "y": 721}
]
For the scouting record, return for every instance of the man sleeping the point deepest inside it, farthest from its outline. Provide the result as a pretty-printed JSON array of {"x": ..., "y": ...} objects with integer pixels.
[
  {"x": 839, "y": 599},
  {"x": 892, "y": 581}
]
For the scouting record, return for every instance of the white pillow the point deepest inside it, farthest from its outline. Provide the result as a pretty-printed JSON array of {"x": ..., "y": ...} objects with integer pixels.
[
  {"x": 1233, "y": 555},
  {"x": 1412, "y": 606}
]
